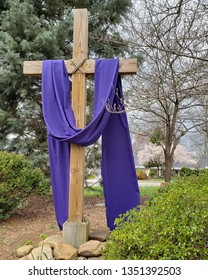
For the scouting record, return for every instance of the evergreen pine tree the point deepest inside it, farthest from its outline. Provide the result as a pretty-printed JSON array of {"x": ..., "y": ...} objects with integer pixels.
[{"x": 38, "y": 30}]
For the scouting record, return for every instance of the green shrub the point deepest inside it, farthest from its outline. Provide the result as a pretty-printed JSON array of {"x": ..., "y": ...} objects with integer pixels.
[
  {"x": 140, "y": 175},
  {"x": 185, "y": 171},
  {"x": 18, "y": 179},
  {"x": 153, "y": 173},
  {"x": 173, "y": 226}
]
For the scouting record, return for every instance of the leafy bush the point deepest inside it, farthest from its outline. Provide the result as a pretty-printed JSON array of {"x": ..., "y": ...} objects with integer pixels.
[
  {"x": 140, "y": 175},
  {"x": 18, "y": 179},
  {"x": 153, "y": 173},
  {"x": 174, "y": 225},
  {"x": 185, "y": 171}
]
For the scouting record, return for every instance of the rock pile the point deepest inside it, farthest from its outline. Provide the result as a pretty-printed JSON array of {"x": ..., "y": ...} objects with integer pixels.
[{"x": 53, "y": 248}]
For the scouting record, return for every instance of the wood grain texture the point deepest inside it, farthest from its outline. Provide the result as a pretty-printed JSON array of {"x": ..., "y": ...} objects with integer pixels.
[
  {"x": 126, "y": 67},
  {"x": 79, "y": 96}
]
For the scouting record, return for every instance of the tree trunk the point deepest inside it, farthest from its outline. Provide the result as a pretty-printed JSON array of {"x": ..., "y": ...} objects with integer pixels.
[{"x": 168, "y": 167}]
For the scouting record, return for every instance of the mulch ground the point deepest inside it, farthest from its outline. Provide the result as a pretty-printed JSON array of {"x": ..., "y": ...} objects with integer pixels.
[{"x": 38, "y": 218}]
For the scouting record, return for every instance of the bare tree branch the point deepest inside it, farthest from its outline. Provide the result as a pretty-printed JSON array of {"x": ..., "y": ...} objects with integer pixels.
[{"x": 172, "y": 81}]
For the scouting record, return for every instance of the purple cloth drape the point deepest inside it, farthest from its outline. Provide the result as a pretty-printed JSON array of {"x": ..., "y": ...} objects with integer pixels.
[{"x": 118, "y": 170}]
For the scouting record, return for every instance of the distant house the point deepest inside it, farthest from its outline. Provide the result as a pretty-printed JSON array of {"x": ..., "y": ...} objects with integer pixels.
[
  {"x": 178, "y": 165},
  {"x": 176, "y": 168}
]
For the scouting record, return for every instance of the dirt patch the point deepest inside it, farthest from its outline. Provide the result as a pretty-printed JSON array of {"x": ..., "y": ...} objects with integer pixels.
[{"x": 38, "y": 218}]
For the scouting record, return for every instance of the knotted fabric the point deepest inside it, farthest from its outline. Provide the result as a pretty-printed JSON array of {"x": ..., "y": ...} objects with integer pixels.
[{"x": 117, "y": 166}]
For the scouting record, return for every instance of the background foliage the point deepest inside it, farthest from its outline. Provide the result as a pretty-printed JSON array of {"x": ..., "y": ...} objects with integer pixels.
[
  {"x": 18, "y": 178},
  {"x": 38, "y": 30}
]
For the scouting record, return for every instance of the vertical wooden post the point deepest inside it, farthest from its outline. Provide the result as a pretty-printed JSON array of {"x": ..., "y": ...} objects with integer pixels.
[
  {"x": 75, "y": 230},
  {"x": 77, "y": 158}
]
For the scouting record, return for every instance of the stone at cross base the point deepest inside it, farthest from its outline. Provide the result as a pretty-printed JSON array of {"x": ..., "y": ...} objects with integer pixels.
[{"x": 76, "y": 229}]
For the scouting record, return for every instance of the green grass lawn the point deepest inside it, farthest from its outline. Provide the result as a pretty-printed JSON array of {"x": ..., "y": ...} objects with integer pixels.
[
  {"x": 93, "y": 191},
  {"x": 98, "y": 191},
  {"x": 148, "y": 191}
]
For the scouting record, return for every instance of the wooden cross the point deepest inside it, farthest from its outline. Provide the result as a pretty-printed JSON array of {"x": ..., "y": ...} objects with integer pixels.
[{"x": 79, "y": 66}]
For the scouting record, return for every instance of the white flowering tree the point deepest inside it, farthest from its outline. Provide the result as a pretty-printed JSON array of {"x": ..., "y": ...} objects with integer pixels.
[
  {"x": 153, "y": 156},
  {"x": 182, "y": 156}
]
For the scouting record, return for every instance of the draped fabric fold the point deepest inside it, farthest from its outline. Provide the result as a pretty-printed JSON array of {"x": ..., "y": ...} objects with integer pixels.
[{"x": 117, "y": 166}]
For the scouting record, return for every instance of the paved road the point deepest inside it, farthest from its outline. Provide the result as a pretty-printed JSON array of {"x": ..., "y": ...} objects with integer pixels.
[
  {"x": 149, "y": 184},
  {"x": 142, "y": 183}
]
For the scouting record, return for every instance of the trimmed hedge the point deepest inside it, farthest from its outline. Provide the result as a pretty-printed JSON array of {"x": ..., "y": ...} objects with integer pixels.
[
  {"x": 173, "y": 226},
  {"x": 18, "y": 178}
]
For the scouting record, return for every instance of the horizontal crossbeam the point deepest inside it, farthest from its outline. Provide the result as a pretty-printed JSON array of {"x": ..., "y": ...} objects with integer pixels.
[{"x": 126, "y": 66}]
